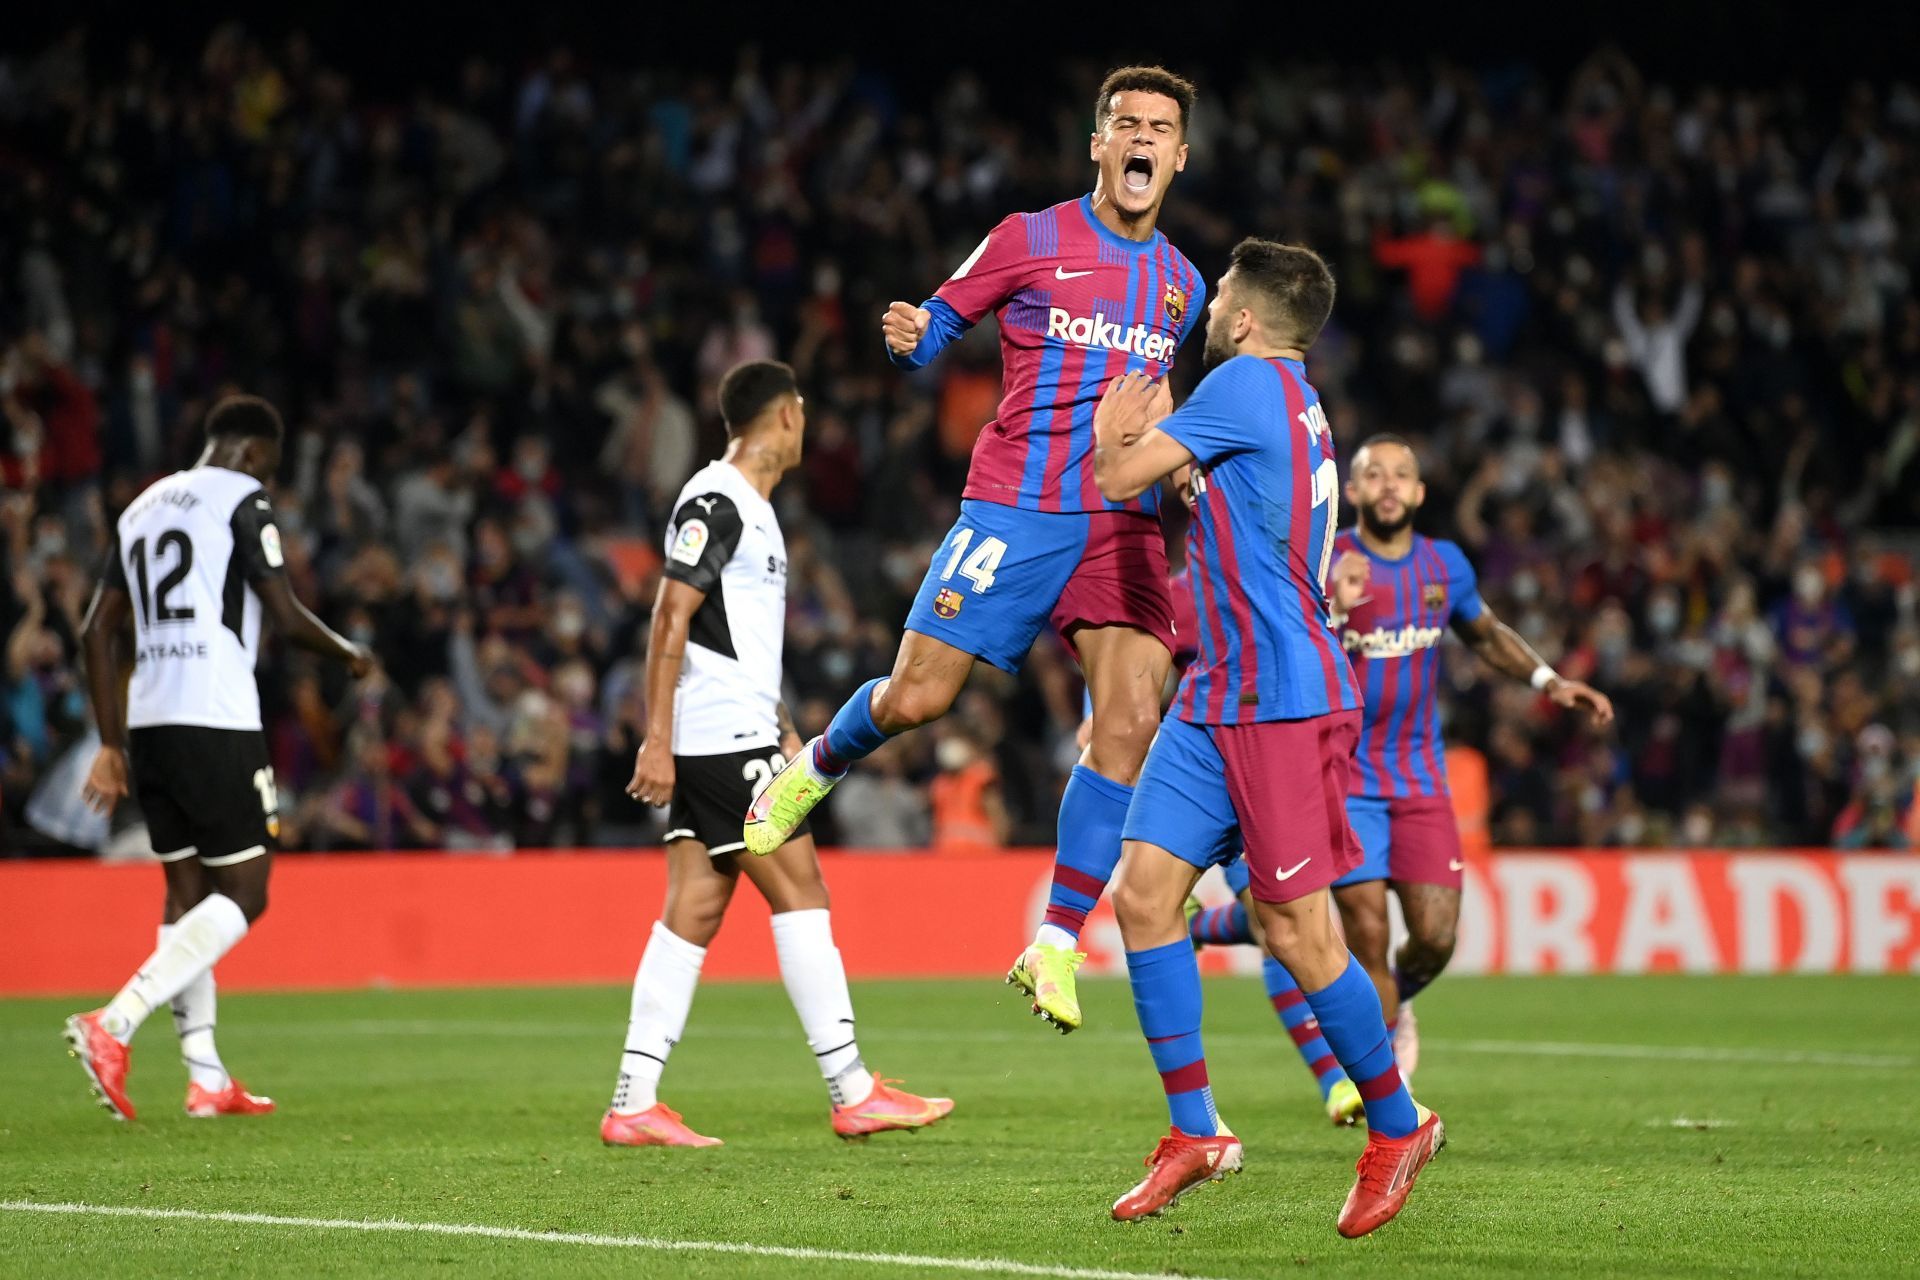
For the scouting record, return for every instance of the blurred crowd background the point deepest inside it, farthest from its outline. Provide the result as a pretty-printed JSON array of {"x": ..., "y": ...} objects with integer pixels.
[{"x": 1659, "y": 347}]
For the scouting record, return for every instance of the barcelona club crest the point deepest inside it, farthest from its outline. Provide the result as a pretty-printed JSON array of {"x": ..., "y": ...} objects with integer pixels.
[
  {"x": 947, "y": 603},
  {"x": 1175, "y": 302},
  {"x": 1435, "y": 596}
]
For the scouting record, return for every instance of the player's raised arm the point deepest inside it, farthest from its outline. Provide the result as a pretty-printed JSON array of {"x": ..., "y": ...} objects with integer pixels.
[
  {"x": 989, "y": 276},
  {"x": 1506, "y": 650},
  {"x": 1130, "y": 453}
]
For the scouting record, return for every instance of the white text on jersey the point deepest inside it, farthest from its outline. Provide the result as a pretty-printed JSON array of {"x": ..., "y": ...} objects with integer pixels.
[
  {"x": 1381, "y": 643},
  {"x": 1094, "y": 331}
]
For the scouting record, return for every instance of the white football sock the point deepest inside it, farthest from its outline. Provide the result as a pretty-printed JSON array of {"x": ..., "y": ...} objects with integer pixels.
[
  {"x": 817, "y": 984},
  {"x": 193, "y": 1021},
  {"x": 662, "y": 998},
  {"x": 1052, "y": 935},
  {"x": 193, "y": 946}
]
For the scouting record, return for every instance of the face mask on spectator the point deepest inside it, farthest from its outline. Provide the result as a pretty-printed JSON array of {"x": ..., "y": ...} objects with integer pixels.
[
  {"x": 568, "y": 625},
  {"x": 1716, "y": 490},
  {"x": 1808, "y": 586},
  {"x": 1525, "y": 587},
  {"x": 1663, "y": 615},
  {"x": 952, "y": 754},
  {"x": 442, "y": 580}
]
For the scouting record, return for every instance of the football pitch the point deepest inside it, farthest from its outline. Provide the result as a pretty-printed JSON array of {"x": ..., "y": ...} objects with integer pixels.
[{"x": 1598, "y": 1126}]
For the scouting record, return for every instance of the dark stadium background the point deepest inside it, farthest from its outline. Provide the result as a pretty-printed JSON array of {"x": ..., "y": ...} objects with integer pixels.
[{"x": 1826, "y": 749}]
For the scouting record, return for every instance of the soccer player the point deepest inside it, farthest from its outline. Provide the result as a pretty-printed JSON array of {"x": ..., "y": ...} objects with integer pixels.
[
  {"x": 716, "y": 730},
  {"x": 195, "y": 562},
  {"x": 1396, "y": 593},
  {"x": 1084, "y": 291},
  {"x": 1255, "y": 751}
]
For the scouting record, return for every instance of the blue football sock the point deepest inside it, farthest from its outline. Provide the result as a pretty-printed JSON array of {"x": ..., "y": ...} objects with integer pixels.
[
  {"x": 1222, "y": 926},
  {"x": 1092, "y": 813},
  {"x": 1349, "y": 1014},
  {"x": 851, "y": 736},
  {"x": 1297, "y": 1016},
  {"x": 1166, "y": 996}
]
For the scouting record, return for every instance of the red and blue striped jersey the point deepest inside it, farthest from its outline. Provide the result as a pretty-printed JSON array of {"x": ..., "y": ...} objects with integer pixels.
[
  {"x": 1078, "y": 306},
  {"x": 1393, "y": 639},
  {"x": 1266, "y": 496}
]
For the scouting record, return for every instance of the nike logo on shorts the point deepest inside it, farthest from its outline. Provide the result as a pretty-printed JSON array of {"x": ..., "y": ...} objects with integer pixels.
[
  {"x": 1061, "y": 273},
  {"x": 1291, "y": 871}
]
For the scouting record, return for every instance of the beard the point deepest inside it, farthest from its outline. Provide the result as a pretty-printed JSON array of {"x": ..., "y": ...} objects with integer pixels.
[
  {"x": 1380, "y": 527},
  {"x": 1219, "y": 348}
]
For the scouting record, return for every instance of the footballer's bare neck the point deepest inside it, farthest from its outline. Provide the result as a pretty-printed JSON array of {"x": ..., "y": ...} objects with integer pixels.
[
  {"x": 1137, "y": 226},
  {"x": 760, "y": 458}
]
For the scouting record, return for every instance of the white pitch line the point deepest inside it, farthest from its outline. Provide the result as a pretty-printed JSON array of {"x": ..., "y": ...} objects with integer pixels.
[
  {"x": 502, "y": 1029},
  {"x": 979, "y": 1266}
]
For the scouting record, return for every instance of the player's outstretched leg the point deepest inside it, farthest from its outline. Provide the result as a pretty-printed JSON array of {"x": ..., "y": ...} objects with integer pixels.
[
  {"x": 928, "y": 675},
  {"x": 1401, "y": 1135},
  {"x": 99, "y": 1039},
  {"x": 1125, "y": 668},
  {"x": 1165, "y": 977},
  {"x": 1339, "y": 1095}
]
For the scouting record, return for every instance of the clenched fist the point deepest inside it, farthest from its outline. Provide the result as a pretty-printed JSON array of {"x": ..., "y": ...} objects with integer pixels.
[{"x": 904, "y": 326}]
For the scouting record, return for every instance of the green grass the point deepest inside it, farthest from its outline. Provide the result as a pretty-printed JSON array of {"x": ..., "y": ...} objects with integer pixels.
[{"x": 481, "y": 1107}]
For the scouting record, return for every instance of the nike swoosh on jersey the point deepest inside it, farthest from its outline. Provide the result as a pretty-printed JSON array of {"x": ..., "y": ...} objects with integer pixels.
[
  {"x": 1061, "y": 273},
  {"x": 1454, "y": 864},
  {"x": 1291, "y": 871}
]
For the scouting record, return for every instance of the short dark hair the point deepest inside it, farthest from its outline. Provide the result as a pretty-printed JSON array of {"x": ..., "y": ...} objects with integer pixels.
[
  {"x": 749, "y": 388},
  {"x": 1292, "y": 287},
  {"x": 1143, "y": 80},
  {"x": 239, "y": 417},
  {"x": 1388, "y": 437}
]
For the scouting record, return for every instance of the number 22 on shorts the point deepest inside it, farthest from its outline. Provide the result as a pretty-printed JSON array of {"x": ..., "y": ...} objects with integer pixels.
[{"x": 980, "y": 566}]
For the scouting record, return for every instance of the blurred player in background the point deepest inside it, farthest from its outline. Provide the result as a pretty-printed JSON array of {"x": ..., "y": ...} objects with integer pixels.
[
  {"x": 1084, "y": 292},
  {"x": 195, "y": 562},
  {"x": 1395, "y": 593},
  {"x": 1255, "y": 751},
  {"x": 716, "y": 730}
]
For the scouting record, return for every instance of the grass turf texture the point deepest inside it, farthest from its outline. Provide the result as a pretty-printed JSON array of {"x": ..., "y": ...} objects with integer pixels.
[{"x": 481, "y": 1107}]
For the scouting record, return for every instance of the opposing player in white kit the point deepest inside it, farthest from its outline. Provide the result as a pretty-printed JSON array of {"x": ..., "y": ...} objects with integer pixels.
[
  {"x": 195, "y": 562},
  {"x": 716, "y": 731}
]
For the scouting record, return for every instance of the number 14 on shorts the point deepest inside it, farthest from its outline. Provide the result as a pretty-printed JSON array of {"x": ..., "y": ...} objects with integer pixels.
[{"x": 977, "y": 568}]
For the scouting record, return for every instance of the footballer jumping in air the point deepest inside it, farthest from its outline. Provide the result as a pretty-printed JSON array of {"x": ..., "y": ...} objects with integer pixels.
[
  {"x": 1084, "y": 292},
  {"x": 196, "y": 561},
  {"x": 1255, "y": 751},
  {"x": 716, "y": 730}
]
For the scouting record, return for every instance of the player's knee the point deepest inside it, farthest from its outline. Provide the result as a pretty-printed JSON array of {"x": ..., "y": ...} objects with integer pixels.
[
  {"x": 1121, "y": 736},
  {"x": 1431, "y": 944},
  {"x": 907, "y": 702},
  {"x": 251, "y": 899}
]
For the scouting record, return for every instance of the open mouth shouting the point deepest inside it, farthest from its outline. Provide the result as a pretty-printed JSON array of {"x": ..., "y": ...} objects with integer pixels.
[{"x": 1137, "y": 172}]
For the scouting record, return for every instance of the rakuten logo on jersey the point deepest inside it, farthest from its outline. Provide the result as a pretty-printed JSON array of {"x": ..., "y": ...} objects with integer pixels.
[
  {"x": 1382, "y": 643},
  {"x": 1092, "y": 331}
]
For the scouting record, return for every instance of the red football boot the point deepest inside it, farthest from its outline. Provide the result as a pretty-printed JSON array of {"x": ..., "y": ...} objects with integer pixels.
[
  {"x": 1178, "y": 1164},
  {"x": 658, "y": 1126},
  {"x": 104, "y": 1059},
  {"x": 234, "y": 1100},
  {"x": 888, "y": 1108},
  {"x": 1387, "y": 1169}
]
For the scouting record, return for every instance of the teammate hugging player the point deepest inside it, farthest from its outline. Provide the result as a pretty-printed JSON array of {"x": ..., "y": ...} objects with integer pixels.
[
  {"x": 202, "y": 555},
  {"x": 1255, "y": 751},
  {"x": 1084, "y": 291},
  {"x": 716, "y": 728},
  {"x": 1395, "y": 593}
]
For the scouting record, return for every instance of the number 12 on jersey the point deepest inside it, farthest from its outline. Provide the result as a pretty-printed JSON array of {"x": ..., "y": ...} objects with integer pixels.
[{"x": 980, "y": 566}]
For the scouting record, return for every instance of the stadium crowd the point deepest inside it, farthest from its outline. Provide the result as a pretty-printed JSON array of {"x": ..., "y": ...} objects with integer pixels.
[{"x": 1659, "y": 346}]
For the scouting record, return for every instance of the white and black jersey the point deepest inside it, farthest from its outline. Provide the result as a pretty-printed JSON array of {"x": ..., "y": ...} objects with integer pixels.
[
  {"x": 187, "y": 552},
  {"x": 725, "y": 540}
]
